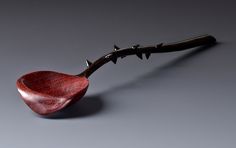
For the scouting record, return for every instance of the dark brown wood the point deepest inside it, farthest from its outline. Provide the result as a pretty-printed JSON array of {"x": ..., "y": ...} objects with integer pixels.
[
  {"x": 46, "y": 92},
  {"x": 137, "y": 50}
]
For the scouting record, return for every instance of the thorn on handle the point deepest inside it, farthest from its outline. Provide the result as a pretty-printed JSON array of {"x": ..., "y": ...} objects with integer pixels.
[
  {"x": 147, "y": 54},
  {"x": 135, "y": 46},
  {"x": 159, "y": 45},
  {"x": 114, "y": 56},
  {"x": 116, "y": 48},
  {"x": 138, "y": 53},
  {"x": 114, "y": 59},
  {"x": 88, "y": 63}
]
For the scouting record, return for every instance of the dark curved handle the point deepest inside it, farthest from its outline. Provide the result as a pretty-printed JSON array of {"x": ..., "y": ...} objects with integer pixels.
[{"x": 148, "y": 50}]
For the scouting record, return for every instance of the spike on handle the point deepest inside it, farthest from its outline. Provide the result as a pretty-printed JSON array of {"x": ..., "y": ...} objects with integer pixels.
[{"x": 88, "y": 63}]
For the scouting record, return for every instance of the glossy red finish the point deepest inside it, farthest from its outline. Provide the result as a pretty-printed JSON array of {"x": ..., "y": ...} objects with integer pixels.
[{"x": 46, "y": 92}]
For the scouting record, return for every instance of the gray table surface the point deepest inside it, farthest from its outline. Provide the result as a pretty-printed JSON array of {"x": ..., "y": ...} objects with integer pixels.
[{"x": 176, "y": 100}]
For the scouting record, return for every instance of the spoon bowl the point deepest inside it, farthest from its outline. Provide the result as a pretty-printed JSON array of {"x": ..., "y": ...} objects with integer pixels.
[{"x": 46, "y": 92}]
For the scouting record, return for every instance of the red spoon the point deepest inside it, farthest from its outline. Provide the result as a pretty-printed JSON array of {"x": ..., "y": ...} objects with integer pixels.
[{"x": 46, "y": 92}]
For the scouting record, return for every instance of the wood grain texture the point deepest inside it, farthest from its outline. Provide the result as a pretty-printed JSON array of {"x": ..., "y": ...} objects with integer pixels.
[{"x": 46, "y": 92}]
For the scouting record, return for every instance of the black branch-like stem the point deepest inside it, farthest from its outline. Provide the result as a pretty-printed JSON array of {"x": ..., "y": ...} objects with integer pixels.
[{"x": 148, "y": 50}]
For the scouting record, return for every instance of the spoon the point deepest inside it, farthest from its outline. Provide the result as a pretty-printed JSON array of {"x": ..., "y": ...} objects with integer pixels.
[{"x": 47, "y": 92}]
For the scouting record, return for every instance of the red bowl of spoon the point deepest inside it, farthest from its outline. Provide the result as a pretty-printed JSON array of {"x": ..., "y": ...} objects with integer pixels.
[{"x": 46, "y": 92}]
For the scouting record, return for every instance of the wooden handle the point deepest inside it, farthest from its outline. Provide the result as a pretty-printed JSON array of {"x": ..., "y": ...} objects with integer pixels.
[{"x": 148, "y": 50}]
